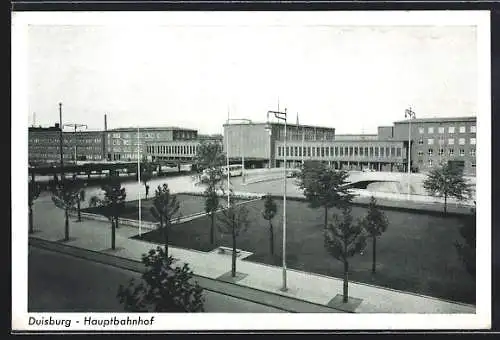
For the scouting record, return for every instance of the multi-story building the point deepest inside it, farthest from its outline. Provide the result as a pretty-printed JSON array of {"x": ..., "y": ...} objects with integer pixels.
[
  {"x": 433, "y": 141},
  {"x": 179, "y": 150},
  {"x": 44, "y": 145},
  {"x": 124, "y": 144},
  {"x": 440, "y": 140}
]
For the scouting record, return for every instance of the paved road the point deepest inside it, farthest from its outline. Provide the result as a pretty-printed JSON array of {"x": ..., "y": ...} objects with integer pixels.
[{"x": 63, "y": 283}]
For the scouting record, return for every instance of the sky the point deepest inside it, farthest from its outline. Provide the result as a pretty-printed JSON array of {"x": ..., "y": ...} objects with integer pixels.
[{"x": 350, "y": 77}]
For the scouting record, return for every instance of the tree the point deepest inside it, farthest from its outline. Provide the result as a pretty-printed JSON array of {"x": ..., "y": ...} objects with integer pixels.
[
  {"x": 233, "y": 221},
  {"x": 210, "y": 158},
  {"x": 163, "y": 288},
  {"x": 67, "y": 196},
  {"x": 165, "y": 208},
  {"x": 211, "y": 207},
  {"x": 324, "y": 187},
  {"x": 34, "y": 191},
  {"x": 268, "y": 214},
  {"x": 467, "y": 249},
  {"x": 80, "y": 195},
  {"x": 375, "y": 223},
  {"x": 344, "y": 239},
  {"x": 447, "y": 181},
  {"x": 112, "y": 204}
]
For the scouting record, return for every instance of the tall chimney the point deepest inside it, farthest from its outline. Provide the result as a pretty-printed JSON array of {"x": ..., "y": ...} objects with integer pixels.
[{"x": 105, "y": 122}]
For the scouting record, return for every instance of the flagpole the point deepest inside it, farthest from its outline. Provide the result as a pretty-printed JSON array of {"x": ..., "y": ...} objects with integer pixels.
[{"x": 139, "y": 180}]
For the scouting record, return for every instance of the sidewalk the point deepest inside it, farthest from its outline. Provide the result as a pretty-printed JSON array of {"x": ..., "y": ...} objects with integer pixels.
[{"x": 96, "y": 235}]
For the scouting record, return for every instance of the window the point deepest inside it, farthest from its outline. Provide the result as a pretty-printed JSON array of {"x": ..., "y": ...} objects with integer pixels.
[
  {"x": 462, "y": 152},
  {"x": 355, "y": 151},
  {"x": 346, "y": 151},
  {"x": 287, "y": 149},
  {"x": 441, "y": 152},
  {"x": 430, "y": 152},
  {"x": 451, "y": 141},
  {"x": 430, "y": 141},
  {"x": 331, "y": 150},
  {"x": 421, "y": 130},
  {"x": 462, "y": 129},
  {"x": 371, "y": 151},
  {"x": 441, "y": 140},
  {"x": 296, "y": 151},
  {"x": 366, "y": 151},
  {"x": 376, "y": 151},
  {"x": 430, "y": 130},
  {"x": 430, "y": 162},
  {"x": 441, "y": 129},
  {"x": 309, "y": 151},
  {"x": 473, "y": 152},
  {"x": 300, "y": 152},
  {"x": 451, "y": 129},
  {"x": 341, "y": 151},
  {"x": 473, "y": 129},
  {"x": 473, "y": 164},
  {"x": 322, "y": 152},
  {"x": 387, "y": 152},
  {"x": 382, "y": 152},
  {"x": 116, "y": 135},
  {"x": 350, "y": 151},
  {"x": 337, "y": 151},
  {"x": 473, "y": 141},
  {"x": 420, "y": 141},
  {"x": 327, "y": 151},
  {"x": 313, "y": 151},
  {"x": 420, "y": 153},
  {"x": 317, "y": 151},
  {"x": 393, "y": 151},
  {"x": 451, "y": 152},
  {"x": 398, "y": 150},
  {"x": 461, "y": 141}
]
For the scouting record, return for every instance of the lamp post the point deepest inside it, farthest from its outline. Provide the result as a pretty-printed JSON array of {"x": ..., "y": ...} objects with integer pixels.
[
  {"x": 282, "y": 116},
  {"x": 75, "y": 126},
  {"x": 410, "y": 114},
  {"x": 139, "y": 179}
]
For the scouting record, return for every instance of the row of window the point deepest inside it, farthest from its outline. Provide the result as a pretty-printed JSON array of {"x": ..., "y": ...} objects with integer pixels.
[
  {"x": 68, "y": 156},
  {"x": 173, "y": 149},
  {"x": 430, "y": 163},
  {"x": 451, "y": 152},
  {"x": 65, "y": 140},
  {"x": 451, "y": 141},
  {"x": 451, "y": 129},
  {"x": 66, "y": 148},
  {"x": 335, "y": 151},
  {"x": 180, "y": 134}
]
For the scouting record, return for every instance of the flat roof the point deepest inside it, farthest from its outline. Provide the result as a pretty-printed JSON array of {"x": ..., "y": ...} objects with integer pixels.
[
  {"x": 292, "y": 124},
  {"x": 439, "y": 120}
]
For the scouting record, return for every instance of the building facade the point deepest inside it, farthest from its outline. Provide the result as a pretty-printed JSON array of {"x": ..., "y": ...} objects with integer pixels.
[
  {"x": 126, "y": 144},
  {"x": 440, "y": 140},
  {"x": 178, "y": 150},
  {"x": 44, "y": 145},
  {"x": 433, "y": 142}
]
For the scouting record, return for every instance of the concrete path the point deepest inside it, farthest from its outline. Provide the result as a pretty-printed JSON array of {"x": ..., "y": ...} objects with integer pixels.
[{"x": 95, "y": 235}]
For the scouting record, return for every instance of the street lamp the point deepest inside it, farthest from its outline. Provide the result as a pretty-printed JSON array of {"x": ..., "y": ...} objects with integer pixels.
[
  {"x": 410, "y": 115},
  {"x": 248, "y": 121},
  {"x": 282, "y": 116},
  {"x": 139, "y": 179},
  {"x": 76, "y": 126}
]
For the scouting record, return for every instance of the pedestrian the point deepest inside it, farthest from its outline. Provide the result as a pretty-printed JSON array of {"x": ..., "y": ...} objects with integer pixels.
[{"x": 147, "y": 191}]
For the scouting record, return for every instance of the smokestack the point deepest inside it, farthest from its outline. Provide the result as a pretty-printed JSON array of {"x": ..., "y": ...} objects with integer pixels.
[{"x": 105, "y": 122}]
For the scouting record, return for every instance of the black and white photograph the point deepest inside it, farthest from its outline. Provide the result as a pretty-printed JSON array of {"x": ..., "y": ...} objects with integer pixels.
[{"x": 275, "y": 167}]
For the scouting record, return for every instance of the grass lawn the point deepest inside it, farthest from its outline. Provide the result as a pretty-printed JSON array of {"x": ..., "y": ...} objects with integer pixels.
[{"x": 416, "y": 254}]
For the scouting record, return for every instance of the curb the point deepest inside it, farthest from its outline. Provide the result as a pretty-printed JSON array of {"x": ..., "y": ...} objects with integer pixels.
[{"x": 138, "y": 267}]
